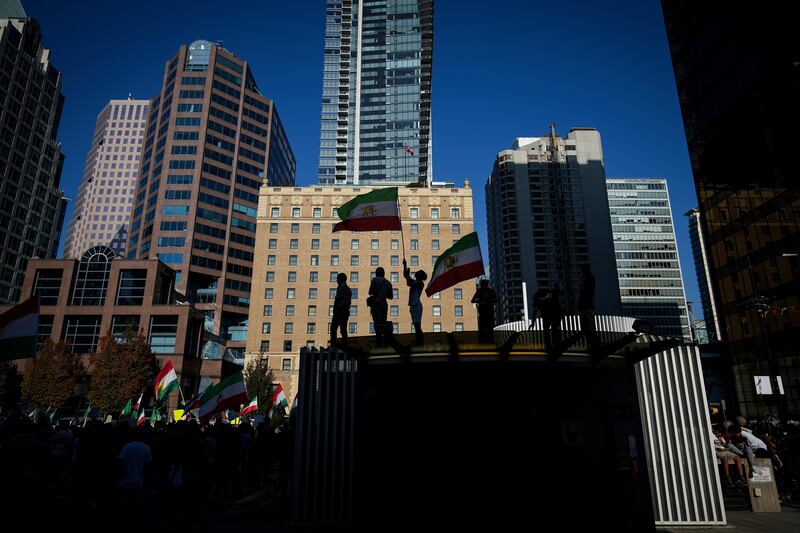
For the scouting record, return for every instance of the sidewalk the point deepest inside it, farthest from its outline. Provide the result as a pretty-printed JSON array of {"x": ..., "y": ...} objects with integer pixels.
[{"x": 787, "y": 521}]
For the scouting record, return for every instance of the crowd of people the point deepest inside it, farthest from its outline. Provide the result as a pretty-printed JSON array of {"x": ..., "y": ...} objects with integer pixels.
[
  {"x": 739, "y": 442},
  {"x": 97, "y": 469}
]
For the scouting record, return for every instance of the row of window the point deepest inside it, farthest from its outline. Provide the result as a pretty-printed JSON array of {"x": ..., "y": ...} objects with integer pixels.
[
  {"x": 316, "y": 228},
  {"x": 355, "y": 260},
  {"x": 294, "y": 244},
  {"x": 316, "y": 212}
]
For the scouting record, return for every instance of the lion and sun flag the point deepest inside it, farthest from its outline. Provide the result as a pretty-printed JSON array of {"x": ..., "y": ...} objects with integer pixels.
[{"x": 378, "y": 210}]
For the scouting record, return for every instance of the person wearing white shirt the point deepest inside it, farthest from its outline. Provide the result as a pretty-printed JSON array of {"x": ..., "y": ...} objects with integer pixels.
[{"x": 751, "y": 445}]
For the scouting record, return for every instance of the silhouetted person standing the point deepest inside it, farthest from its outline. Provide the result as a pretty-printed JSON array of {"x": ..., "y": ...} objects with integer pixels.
[
  {"x": 380, "y": 290},
  {"x": 341, "y": 308},
  {"x": 485, "y": 298},
  {"x": 549, "y": 305},
  {"x": 586, "y": 305},
  {"x": 416, "y": 284}
]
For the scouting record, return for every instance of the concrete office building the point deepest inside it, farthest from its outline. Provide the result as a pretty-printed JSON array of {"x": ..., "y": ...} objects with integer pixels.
[
  {"x": 102, "y": 208},
  {"x": 376, "y": 92},
  {"x": 100, "y": 294},
  {"x": 648, "y": 266},
  {"x": 294, "y": 282},
  {"x": 547, "y": 214},
  {"x": 32, "y": 204},
  {"x": 212, "y": 140},
  {"x": 701, "y": 268}
]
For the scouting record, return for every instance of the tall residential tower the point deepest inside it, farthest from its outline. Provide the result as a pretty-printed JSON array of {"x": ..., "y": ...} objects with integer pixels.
[
  {"x": 649, "y": 269},
  {"x": 547, "y": 214},
  {"x": 376, "y": 92},
  {"x": 212, "y": 140},
  {"x": 32, "y": 205},
  {"x": 103, "y": 206}
]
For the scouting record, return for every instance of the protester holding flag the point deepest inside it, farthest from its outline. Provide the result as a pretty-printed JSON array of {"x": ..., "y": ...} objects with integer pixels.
[
  {"x": 278, "y": 403},
  {"x": 228, "y": 393},
  {"x": 414, "y": 304}
]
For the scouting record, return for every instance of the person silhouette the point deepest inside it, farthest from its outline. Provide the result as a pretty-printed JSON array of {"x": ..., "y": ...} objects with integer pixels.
[
  {"x": 380, "y": 290},
  {"x": 416, "y": 284},
  {"x": 485, "y": 298}
]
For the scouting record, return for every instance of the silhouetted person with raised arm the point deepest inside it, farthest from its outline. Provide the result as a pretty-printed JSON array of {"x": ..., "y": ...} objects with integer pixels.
[
  {"x": 586, "y": 306},
  {"x": 380, "y": 290},
  {"x": 485, "y": 298},
  {"x": 341, "y": 308},
  {"x": 416, "y": 284}
]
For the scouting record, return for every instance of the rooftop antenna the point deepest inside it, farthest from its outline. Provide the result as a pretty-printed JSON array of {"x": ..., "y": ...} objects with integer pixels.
[
  {"x": 553, "y": 130},
  {"x": 130, "y": 96}
]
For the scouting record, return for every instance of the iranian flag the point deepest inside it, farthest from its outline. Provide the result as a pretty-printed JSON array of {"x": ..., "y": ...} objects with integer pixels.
[
  {"x": 228, "y": 393},
  {"x": 278, "y": 399},
  {"x": 19, "y": 327},
  {"x": 138, "y": 403},
  {"x": 126, "y": 411},
  {"x": 166, "y": 381},
  {"x": 373, "y": 211},
  {"x": 251, "y": 407},
  {"x": 460, "y": 262},
  {"x": 140, "y": 420}
]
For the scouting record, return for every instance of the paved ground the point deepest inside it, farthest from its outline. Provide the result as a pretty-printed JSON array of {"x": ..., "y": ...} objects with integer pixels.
[{"x": 787, "y": 521}]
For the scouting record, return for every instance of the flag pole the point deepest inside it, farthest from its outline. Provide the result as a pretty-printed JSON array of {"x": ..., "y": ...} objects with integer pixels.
[{"x": 399, "y": 216}]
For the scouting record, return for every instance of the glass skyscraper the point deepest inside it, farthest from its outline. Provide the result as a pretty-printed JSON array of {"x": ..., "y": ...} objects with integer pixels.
[
  {"x": 376, "y": 92},
  {"x": 650, "y": 280}
]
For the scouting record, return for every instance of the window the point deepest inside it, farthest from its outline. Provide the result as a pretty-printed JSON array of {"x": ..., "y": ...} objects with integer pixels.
[
  {"x": 266, "y": 327},
  {"x": 456, "y": 229},
  {"x": 81, "y": 333},
  {"x": 414, "y": 244},
  {"x": 315, "y": 229},
  {"x": 290, "y": 294},
  {"x": 353, "y": 310},
  {"x": 394, "y": 277},
  {"x": 288, "y": 327},
  {"x": 271, "y": 277},
  {"x": 175, "y": 210},
  {"x": 435, "y": 229},
  {"x": 286, "y": 364},
  {"x": 268, "y": 293},
  {"x": 131, "y": 287},
  {"x": 395, "y": 244},
  {"x": 434, "y": 212},
  {"x": 292, "y": 260},
  {"x": 293, "y": 244},
  {"x": 437, "y": 327},
  {"x": 295, "y": 227},
  {"x": 395, "y": 294},
  {"x": 334, "y": 244},
  {"x": 414, "y": 229},
  {"x": 267, "y": 310},
  {"x": 315, "y": 244},
  {"x": 313, "y": 276},
  {"x": 437, "y": 310},
  {"x": 314, "y": 260},
  {"x": 163, "y": 332},
  {"x": 353, "y": 328},
  {"x": 289, "y": 310},
  {"x": 414, "y": 260},
  {"x": 295, "y": 212},
  {"x": 312, "y": 310},
  {"x": 374, "y": 244},
  {"x": 414, "y": 212},
  {"x": 395, "y": 260},
  {"x": 333, "y": 277},
  {"x": 332, "y": 293},
  {"x": 91, "y": 281},
  {"x": 334, "y": 260},
  {"x": 457, "y": 293},
  {"x": 273, "y": 227},
  {"x": 311, "y": 328},
  {"x": 317, "y": 212},
  {"x": 264, "y": 346},
  {"x": 275, "y": 213},
  {"x": 292, "y": 276},
  {"x": 435, "y": 244},
  {"x": 394, "y": 310},
  {"x": 271, "y": 260},
  {"x": 47, "y": 285},
  {"x": 273, "y": 244},
  {"x": 373, "y": 260},
  {"x": 459, "y": 326},
  {"x": 455, "y": 212},
  {"x": 353, "y": 260},
  {"x": 459, "y": 310},
  {"x": 121, "y": 325},
  {"x": 353, "y": 277},
  {"x": 354, "y": 244}
]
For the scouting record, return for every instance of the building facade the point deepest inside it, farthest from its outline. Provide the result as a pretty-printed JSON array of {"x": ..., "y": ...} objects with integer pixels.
[
  {"x": 32, "y": 204},
  {"x": 102, "y": 208},
  {"x": 736, "y": 76},
  {"x": 648, "y": 265},
  {"x": 547, "y": 214},
  {"x": 82, "y": 300},
  {"x": 376, "y": 92},
  {"x": 294, "y": 282},
  {"x": 212, "y": 140},
  {"x": 701, "y": 268}
]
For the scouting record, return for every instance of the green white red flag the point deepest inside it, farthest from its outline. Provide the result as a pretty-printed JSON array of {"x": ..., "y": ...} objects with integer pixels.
[
  {"x": 166, "y": 381},
  {"x": 19, "y": 328},
  {"x": 278, "y": 399},
  {"x": 140, "y": 420},
  {"x": 460, "y": 262},
  {"x": 228, "y": 393},
  {"x": 374, "y": 211},
  {"x": 251, "y": 407}
]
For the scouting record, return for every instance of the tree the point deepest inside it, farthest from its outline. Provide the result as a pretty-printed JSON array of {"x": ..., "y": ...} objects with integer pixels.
[
  {"x": 9, "y": 389},
  {"x": 258, "y": 380},
  {"x": 53, "y": 376},
  {"x": 121, "y": 371}
]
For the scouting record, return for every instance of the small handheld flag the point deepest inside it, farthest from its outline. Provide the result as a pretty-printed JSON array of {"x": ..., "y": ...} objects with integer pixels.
[
  {"x": 251, "y": 407},
  {"x": 166, "y": 381}
]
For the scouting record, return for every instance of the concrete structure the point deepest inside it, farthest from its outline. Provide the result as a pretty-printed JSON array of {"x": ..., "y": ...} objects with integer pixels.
[
  {"x": 648, "y": 265},
  {"x": 294, "y": 281},
  {"x": 102, "y": 294},
  {"x": 102, "y": 207},
  {"x": 376, "y": 92},
  {"x": 701, "y": 268},
  {"x": 731, "y": 81},
  {"x": 32, "y": 204},
  {"x": 212, "y": 140},
  {"x": 547, "y": 214}
]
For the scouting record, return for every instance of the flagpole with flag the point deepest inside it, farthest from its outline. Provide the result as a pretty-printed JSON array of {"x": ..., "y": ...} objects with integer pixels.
[
  {"x": 374, "y": 211},
  {"x": 166, "y": 381},
  {"x": 460, "y": 262}
]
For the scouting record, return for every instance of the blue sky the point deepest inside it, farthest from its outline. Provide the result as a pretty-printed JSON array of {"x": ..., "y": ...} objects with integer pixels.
[{"x": 501, "y": 70}]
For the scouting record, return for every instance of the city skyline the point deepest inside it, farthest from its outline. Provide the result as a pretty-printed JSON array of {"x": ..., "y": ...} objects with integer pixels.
[{"x": 471, "y": 103}]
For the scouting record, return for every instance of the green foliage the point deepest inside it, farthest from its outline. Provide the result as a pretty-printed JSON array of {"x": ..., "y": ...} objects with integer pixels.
[
  {"x": 52, "y": 378},
  {"x": 121, "y": 371},
  {"x": 258, "y": 380}
]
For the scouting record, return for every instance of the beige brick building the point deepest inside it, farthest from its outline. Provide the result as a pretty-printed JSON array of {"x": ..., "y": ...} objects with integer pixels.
[{"x": 298, "y": 257}]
